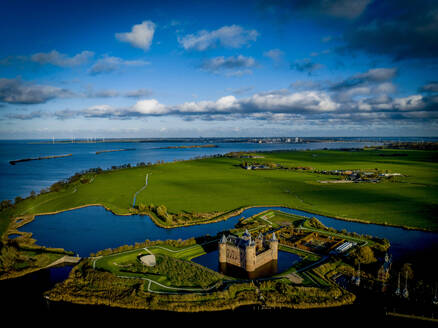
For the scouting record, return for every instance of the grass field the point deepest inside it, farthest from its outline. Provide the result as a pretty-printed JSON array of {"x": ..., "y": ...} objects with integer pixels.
[
  {"x": 184, "y": 253},
  {"x": 220, "y": 184},
  {"x": 278, "y": 218},
  {"x": 188, "y": 273}
]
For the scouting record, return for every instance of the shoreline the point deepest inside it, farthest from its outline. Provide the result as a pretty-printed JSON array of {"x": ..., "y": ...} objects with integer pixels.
[{"x": 81, "y": 300}]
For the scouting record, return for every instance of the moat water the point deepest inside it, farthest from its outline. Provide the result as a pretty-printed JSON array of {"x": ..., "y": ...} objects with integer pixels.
[
  {"x": 93, "y": 228},
  {"x": 284, "y": 262}
]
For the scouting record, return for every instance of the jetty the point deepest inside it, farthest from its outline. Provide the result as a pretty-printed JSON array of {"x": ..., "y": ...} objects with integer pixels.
[
  {"x": 65, "y": 260},
  {"x": 192, "y": 146},
  {"x": 38, "y": 158},
  {"x": 113, "y": 150}
]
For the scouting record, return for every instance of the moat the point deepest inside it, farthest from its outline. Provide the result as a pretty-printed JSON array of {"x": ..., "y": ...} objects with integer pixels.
[
  {"x": 93, "y": 228},
  {"x": 284, "y": 262},
  {"x": 74, "y": 230}
]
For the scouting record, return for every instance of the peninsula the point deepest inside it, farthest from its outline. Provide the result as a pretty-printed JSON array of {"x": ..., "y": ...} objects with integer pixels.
[
  {"x": 113, "y": 150},
  {"x": 191, "y": 146}
]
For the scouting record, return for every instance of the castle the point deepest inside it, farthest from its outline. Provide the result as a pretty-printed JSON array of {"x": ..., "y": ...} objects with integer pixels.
[{"x": 247, "y": 253}]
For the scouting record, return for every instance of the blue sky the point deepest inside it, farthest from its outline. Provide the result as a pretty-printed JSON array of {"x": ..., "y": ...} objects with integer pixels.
[{"x": 205, "y": 68}]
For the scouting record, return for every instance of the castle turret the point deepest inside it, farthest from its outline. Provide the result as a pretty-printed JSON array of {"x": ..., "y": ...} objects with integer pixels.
[
  {"x": 223, "y": 249},
  {"x": 259, "y": 241},
  {"x": 250, "y": 256},
  {"x": 273, "y": 245}
]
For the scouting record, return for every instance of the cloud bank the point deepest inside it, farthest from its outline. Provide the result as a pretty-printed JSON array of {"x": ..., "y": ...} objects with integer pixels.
[
  {"x": 16, "y": 91},
  {"x": 108, "y": 64},
  {"x": 62, "y": 60}
]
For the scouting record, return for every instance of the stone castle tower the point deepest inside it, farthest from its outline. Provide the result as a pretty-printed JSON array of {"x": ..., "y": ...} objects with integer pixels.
[{"x": 247, "y": 253}]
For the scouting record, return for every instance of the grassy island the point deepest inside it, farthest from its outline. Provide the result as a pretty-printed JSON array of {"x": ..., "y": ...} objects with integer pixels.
[{"x": 174, "y": 283}]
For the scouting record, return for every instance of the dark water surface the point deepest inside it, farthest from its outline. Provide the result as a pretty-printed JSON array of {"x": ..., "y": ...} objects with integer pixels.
[
  {"x": 93, "y": 228},
  {"x": 284, "y": 262}
]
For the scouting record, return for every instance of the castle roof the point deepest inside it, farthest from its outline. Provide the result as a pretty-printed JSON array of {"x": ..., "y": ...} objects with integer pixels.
[
  {"x": 223, "y": 239},
  {"x": 240, "y": 242},
  {"x": 274, "y": 238}
]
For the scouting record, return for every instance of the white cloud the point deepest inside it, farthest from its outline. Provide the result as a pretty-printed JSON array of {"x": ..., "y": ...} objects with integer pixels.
[
  {"x": 109, "y": 64},
  {"x": 430, "y": 87},
  {"x": 16, "y": 91},
  {"x": 225, "y": 63},
  {"x": 58, "y": 59},
  {"x": 141, "y": 35},
  {"x": 138, "y": 93},
  {"x": 150, "y": 107},
  {"x": 305, "y": 101},
  {"x": 386, "y": 87},
  {"x": 377, "y": 74},
  {"x": 414, "y": 102},
  {"x": 233, "y": 36},
  {"x": 275, "y": 54},
  {"x": 98, "y": 110},
  {"x": 239, "y": 73}
]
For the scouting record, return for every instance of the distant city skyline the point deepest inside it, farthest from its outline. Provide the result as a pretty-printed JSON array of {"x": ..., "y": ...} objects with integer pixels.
[{"x": 263, "y": 68}]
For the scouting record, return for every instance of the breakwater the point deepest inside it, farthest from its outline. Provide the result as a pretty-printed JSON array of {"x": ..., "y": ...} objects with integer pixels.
[
  {"x": 38, "y": 158},
  {"x": 190, "y": 146},
  {"x": 113, "y": 150}
]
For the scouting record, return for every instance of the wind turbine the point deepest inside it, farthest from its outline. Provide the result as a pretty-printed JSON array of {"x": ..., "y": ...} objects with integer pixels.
[
  {"x": 398, "y": 290},
  {"x": 405, "y": 290},
  {"x": 435, "y": 299},
  {"x": 358, "y": 276}
]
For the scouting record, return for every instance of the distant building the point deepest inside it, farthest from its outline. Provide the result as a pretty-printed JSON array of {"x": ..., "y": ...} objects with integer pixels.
[
  {"x": 343, "y": 248},
  {"x": 247, "y": 253}
]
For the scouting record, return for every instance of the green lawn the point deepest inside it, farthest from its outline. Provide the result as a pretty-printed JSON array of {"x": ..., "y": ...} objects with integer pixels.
[
  {"x": 219, "y": 184},
  {"x": 278, "y": 218},
  {"x": 175, "y": 271},
  {"x": 184, "y": 253}
]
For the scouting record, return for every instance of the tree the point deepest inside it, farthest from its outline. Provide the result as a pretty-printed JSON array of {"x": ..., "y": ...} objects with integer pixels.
[
  {"x": 365, "y": 255},
  {"x": 18, "y": 199},
  {"x": 142, "y": 207},
  {"x": 8, "y": 257},
  {"x": 407, "y": 269},
  {"x": 5, "y": 204}
]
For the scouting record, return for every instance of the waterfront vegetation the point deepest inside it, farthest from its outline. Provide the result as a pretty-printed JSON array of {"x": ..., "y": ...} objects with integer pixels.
[
  {"x": 88, "y": 286},
  {"x": 16, "y": 261}
]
